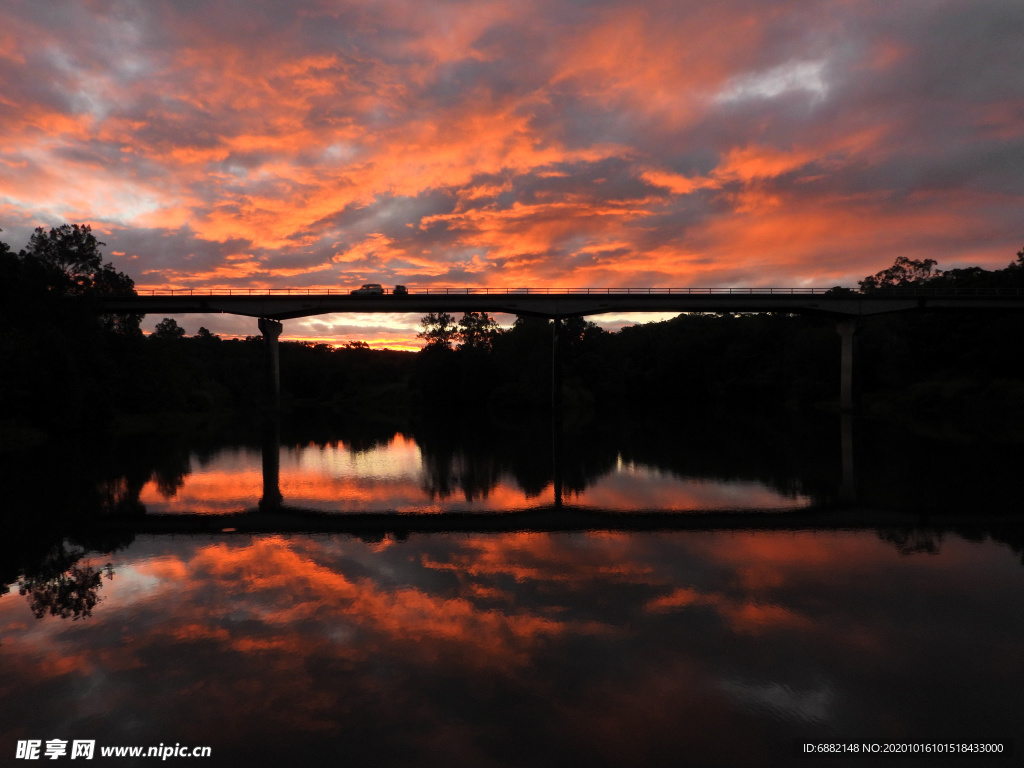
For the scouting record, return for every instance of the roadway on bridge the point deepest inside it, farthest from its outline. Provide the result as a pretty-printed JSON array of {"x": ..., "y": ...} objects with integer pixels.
[{"x": 552, "y": 303}]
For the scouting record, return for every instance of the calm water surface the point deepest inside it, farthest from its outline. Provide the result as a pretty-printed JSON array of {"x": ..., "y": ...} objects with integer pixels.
[
  {"x": 396, "y": 476},
  {"x": 620, "y": 647}
]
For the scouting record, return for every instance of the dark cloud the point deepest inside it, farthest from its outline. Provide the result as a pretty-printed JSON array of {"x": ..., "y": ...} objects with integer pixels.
[{"x": 177, "y": 249}]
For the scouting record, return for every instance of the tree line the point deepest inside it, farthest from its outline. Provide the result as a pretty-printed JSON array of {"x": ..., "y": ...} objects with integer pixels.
[
  {"x": 71, "y": 368},
  {"x": 924, "y": 366}
]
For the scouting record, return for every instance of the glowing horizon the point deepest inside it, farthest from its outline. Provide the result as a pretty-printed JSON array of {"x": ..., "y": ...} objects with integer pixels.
[{"x": 324, "y": 144}]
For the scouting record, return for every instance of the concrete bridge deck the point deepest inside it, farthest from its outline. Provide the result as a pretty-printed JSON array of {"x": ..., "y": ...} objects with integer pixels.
[{"x": 557, "y": 303}]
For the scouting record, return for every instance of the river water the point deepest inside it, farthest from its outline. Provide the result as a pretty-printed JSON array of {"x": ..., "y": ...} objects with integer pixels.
[{"x": 667, "y": 592}]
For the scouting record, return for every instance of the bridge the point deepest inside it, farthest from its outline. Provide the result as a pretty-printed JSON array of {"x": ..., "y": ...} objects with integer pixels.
[
  {"x": 846, "y": 305},
  {"x": 547, "y": 519},
  {"x": 554, "y": 303}
]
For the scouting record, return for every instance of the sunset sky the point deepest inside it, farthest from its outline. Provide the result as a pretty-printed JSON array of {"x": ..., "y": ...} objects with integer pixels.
[{"x": 314, "y": 143}]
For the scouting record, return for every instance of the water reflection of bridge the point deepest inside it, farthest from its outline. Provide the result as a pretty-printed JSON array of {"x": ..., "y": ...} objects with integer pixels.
[
  {"x": 910, "y": 531},
  {"x": 544, "y": 519},
  {"x": 272, "y": 499},
  {"x": 274, "y": 514},
  {"x": 845, "y": 305}
]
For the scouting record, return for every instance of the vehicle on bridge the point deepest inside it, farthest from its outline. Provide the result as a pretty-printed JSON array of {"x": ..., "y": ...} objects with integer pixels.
[
  {"x": 370, "y": 289},
  {"x": 400, "y": 290}
]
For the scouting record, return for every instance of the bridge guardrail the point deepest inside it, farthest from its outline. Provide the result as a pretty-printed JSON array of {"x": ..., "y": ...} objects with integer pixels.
[{"x": 591, "y": 291}]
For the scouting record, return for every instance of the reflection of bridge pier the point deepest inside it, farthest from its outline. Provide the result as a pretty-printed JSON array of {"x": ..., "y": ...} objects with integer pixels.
[
  {"x": 272, "y": 499},
  {"x": 556, "y": 457}
]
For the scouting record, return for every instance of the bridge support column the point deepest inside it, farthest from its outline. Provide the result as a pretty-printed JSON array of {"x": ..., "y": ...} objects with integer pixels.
[
  {"x": 271, "y": 329},
  {"x": 556, "y": 410},
  {"x": 556, "y": 366},
  {"x": 847, "y": 329},
  {"x": 848, "y": 488}
]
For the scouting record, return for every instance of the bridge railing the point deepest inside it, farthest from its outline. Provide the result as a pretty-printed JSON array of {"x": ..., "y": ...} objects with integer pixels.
[{"x": 831, "y": 292}]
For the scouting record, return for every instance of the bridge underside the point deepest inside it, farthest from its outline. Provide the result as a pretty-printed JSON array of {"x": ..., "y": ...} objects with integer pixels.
[
  {"x": 271, "y": 309},
  {"x": 550, "y": 305}
]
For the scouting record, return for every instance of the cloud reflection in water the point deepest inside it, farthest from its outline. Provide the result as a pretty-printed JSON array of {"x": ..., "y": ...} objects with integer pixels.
[{"x": 607, "y": 648}]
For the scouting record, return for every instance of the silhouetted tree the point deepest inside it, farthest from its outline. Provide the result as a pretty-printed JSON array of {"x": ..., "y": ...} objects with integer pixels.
[
  {"x": 169, "y": 329},
  {"x": 902, "y": 274},
  {"x": 439, "y": 330},
  {"x": 580, "y": 335},
  {"x": 477, "y": 331},
  {"x": 71, "y": 254},
  {"x": 63, "y": 586},
  {"x": 66, "y": 261},
  {"x": 55, "y": 341},
  {"x": 523, "y": 358},
  {"x": 108, "y": 282}
]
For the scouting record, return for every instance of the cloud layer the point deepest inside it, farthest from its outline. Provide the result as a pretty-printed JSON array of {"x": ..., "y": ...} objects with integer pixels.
[
  {"x": 491, "y": 649},
  {"x": 324, "y": 144}
]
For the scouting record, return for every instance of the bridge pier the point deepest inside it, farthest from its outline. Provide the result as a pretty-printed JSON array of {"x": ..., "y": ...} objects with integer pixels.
[
  {"x": 271, "y": 330},
  {"x": 556, "y": 366},
  {"x": 846, "y": 329},
  {"x": 848, "y": 488}
]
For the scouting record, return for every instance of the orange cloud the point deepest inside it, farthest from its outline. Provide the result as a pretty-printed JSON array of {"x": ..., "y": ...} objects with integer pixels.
[{"x": 668, "y": 143}]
